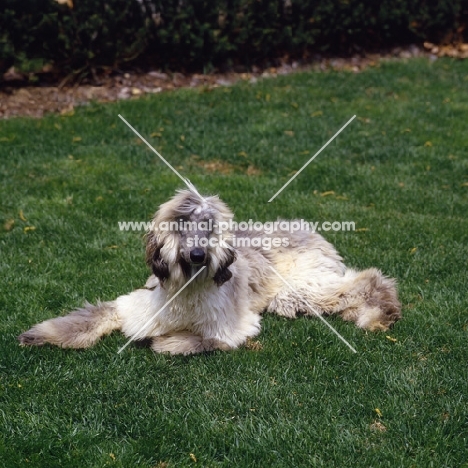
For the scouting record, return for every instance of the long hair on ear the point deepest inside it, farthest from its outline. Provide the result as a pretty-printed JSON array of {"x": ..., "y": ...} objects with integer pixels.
[
  {"x": 223, "y": 273},
  {"x": 153, "y": 257},
  {"x": 162, "y": 243}
]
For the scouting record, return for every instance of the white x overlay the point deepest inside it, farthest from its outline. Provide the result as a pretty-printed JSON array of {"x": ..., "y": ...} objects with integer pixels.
[{"x": 191, "y": 187}]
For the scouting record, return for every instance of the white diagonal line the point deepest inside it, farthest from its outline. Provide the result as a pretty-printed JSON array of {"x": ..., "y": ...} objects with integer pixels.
[
  {"x": 312, "y": 158},
  {"x": 316, "y": 313},
  {"x": 184, "y": 180},
  {"x": 150, "y": 321}
]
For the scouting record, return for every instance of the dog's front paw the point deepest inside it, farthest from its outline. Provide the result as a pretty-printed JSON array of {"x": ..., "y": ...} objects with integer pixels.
[{"x": 186, "y": 343}]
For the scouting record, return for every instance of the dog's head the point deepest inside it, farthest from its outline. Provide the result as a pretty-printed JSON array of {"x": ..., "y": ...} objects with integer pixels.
[{"x": 187, "y": 233}]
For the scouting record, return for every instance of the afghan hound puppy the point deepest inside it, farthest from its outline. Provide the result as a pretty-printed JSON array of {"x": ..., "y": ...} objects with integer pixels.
[{"x": 208, "y": 289}]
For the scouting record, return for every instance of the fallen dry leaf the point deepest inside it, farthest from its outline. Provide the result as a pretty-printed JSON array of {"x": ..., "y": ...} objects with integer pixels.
[
  {"x": 68, "y": 111},
  {"x": 253, "y": 345},
  {"x": 193, "y": 458},
  {"x": 215, "y": 165},
  {"x": 394, "y": 340},
  {"x": 379, "y": 413},
  {"x": 253, "y": 171},
  {"x": 29, "y": 228},
  {"x": 289, "y": 133},
  {"x": 8, "y": 225},
  {"x": 377, "y": 426},
  {"x": 69, "y": 3},
  {"x": 459, "y": 50}
]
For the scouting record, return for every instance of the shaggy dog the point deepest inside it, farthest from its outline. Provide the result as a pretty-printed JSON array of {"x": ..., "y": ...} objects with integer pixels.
[{"x": 210, "y": 294}]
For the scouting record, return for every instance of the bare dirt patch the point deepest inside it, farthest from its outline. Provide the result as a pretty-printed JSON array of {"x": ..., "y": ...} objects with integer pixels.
[
  {"x": 17, "y": 99},
  {"x": 223, "y": 167}
]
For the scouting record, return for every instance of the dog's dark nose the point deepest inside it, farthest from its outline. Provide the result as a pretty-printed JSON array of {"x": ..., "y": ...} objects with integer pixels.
[{"x": 197, "y": 255}]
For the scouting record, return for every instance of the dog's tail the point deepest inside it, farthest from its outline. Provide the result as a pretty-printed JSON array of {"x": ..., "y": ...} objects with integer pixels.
[{"x": 79, "y": 329}]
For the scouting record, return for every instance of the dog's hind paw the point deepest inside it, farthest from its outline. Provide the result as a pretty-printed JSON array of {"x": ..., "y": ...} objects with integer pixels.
[
  {"x": 31, "y": 338},
  {"x": 376, "y": 319}
]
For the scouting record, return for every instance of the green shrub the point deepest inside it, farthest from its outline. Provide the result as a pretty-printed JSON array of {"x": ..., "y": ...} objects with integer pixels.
[
  {"x": 200, "y": 35},
  {"x": 92, "y": 34}
]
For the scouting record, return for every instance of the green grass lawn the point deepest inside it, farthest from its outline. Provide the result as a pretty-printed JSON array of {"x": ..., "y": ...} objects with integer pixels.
[{"x": 400, "y": 171}]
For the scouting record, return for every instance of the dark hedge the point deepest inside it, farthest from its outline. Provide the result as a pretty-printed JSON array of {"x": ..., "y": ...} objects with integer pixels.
[{"x": 203, "y": 35}]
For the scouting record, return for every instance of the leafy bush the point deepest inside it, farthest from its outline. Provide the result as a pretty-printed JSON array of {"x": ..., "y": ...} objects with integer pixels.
[
  {"x": 92, "y": 34},
  {"x": 200, "y": 35}
]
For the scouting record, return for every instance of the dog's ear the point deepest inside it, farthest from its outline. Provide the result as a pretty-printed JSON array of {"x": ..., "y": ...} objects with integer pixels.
[
  {"x": 159, "y": 266},
  {"x": 223, "y": 273},
  {"x": 153, "y": 257}
]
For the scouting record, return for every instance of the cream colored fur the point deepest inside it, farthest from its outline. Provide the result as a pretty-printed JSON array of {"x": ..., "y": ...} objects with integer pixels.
[{"x": 222, "y": 307}]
